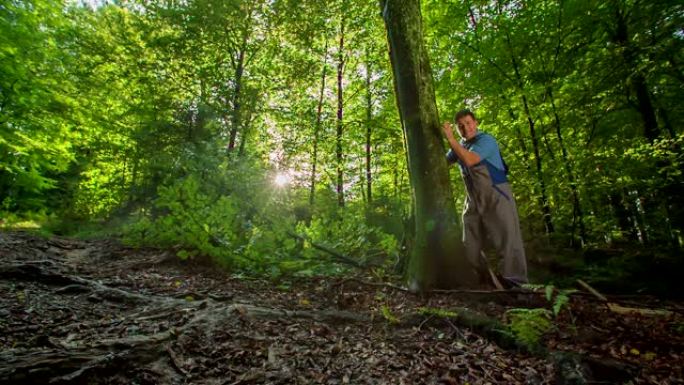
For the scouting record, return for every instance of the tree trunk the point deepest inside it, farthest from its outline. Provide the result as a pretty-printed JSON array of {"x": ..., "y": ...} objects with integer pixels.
[
  {"x": 235, "y": 115},
  {"x": 437, "y": 258},
  {"x": 369, "y": 131},
  {"x": 317, "y": 128},
  {"x": 340, "y": 110},
  {"x": 621, "y": 213},
  {"x": 651, "y": 130},
  {"x": 577, "y": 214},
  {"x": 246, "y": 129},
  {"x": 638, "y": 80},
  {"x": 543, "y": 199}
]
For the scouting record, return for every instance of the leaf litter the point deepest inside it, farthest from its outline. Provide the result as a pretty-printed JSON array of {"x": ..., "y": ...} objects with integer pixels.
[{"x": 97, "y": 312}]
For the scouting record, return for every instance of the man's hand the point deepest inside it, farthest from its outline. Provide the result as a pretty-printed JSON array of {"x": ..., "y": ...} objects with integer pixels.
[
  {"x": 448, "y": 131},
  {"x": 468, "y": 158}
]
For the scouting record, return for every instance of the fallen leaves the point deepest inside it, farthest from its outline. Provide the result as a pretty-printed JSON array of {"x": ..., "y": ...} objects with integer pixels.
[{"x": 290, "y": 350}]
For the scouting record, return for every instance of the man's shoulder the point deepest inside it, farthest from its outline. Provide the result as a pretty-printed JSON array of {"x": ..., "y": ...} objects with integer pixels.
[{"x": 483, "y": 137}]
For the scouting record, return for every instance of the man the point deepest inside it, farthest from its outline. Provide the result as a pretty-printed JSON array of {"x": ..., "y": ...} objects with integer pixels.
[{"x": 490, "y": 208}]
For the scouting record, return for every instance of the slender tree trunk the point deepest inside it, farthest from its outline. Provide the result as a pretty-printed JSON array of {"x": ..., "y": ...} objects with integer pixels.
[
  {"x": 638, "y": 208},
  {"x": 236, "y": 99},
  {"x": 369, "y": 130},
  {"x": 246, "y": 128},
  {"x": 651, "y": 130},
  {"x": 340, "y": 111},
  {"x": 577, "y": 214},
  {"x": 123, "y": 175},
  {"x": 543, "y": 199},
  {"x": 436, "y": 258},
  {"x": 646, "y": 205},
  {"x": 134, "y": 177},
  {"x": 638, "y": 83},
  {"x": 317, "y": 128}
]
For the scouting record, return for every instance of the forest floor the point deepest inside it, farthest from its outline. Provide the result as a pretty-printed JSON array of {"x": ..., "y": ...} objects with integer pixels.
[{"x": 98, "y": 312}]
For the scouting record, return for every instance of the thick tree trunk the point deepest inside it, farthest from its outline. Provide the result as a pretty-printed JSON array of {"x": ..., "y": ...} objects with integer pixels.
[
  {"x": 437, "y": 258},
  {"x": 340, "y": 111},
  {"x": 317, "y": 128}
]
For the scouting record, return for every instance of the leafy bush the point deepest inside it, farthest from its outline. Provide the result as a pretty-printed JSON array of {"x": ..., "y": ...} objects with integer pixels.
[
  {"x": 221, "y": 216},
  {"x": 349, "y": 234},
  {"x": 190, "y": 216}
]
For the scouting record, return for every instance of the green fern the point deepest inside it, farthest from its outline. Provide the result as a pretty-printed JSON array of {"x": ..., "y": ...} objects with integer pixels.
[
  {"x": 561, "y": 298},
  {"x": 529, "y": 325}
]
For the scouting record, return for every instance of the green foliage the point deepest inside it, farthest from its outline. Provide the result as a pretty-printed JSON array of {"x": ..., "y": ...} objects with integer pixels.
[
  {"x": 125, "y": 111},
  {"x": 558, "y": 298},
  {"x": 221, "y": 216},
  {"x": 350, "y": 235},
  {"x": 24, "y": 221},
  {"x": 529, "y": 325},
  {"x": 192, "y": 215},
  {"x": 387, "y": 314}
]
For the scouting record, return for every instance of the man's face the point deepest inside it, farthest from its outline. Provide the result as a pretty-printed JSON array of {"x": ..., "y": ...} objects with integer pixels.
[{"x": 467, "y": 127}]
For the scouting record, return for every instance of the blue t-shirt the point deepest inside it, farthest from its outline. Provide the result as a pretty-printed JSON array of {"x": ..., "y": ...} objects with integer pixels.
[
  {"x": 486, "y": 147},
  {"x": 483, "y": 145}
]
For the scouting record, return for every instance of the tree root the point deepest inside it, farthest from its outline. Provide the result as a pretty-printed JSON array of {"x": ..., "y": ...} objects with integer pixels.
[
  {"x": 71, "y": 361},
  {"x": 68, "y": 361}
]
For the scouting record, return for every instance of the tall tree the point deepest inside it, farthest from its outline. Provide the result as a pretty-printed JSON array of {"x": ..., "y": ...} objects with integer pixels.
[
  {"x": 317, "y": 125},
  {"x": 437, "y": 258},
  {"x": 339, "y": 152}
]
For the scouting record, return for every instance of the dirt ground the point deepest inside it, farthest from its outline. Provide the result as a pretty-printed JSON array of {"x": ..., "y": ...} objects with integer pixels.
[{"x": 97, "y": 312}]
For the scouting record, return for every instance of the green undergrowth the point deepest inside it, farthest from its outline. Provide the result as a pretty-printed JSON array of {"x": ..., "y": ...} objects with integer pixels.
[
  {"x": 33, "y": 222},
  {"x": 259, "y": 233},
  {"x": 528, "y": 326}
]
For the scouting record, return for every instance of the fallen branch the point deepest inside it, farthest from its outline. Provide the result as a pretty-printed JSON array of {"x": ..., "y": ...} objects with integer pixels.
[
  {"x": 337, "y": 255},
  {"x": 619, "y": 309}
]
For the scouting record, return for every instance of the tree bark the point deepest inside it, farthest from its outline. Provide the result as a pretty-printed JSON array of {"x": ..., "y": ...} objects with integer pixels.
[
  {"x": 317, "y": 128},
  {"x": 577, "y": 214},
  {"x": 369, "y": 131},
  {"x": 638, "y": 80},
  {"x": 437, "y": 258},
  {"x": 340, "y": 114},
  {"x": 237, "y": 90},
  {"x": 235, "y": 115}
]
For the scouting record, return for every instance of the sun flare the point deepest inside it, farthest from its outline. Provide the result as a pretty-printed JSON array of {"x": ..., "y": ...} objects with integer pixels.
[{"x": 282, "y": 179}]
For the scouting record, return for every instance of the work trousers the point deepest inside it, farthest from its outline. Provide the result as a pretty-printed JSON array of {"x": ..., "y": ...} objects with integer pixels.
[{"x": 496, "y": 218}]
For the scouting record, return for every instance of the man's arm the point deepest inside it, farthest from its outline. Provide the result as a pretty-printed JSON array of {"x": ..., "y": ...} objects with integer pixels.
[{"x": 468, "y": 158}]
